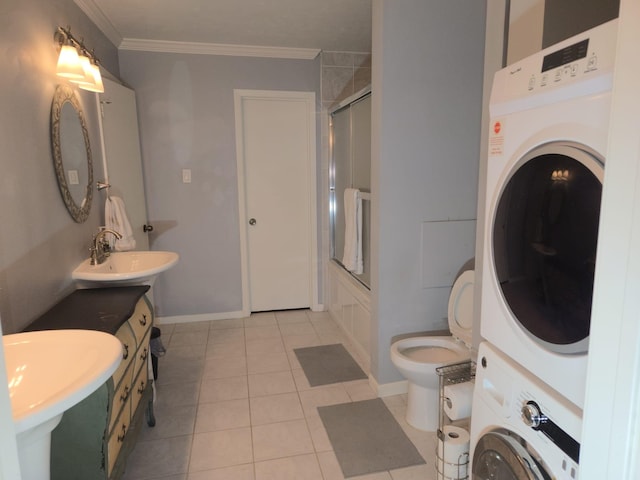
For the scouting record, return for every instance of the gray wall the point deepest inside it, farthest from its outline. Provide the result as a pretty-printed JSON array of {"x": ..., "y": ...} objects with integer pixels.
[
  {"x": 427, "y": 103},
  {"x": 39, "y": 242},
  {"x": 538, "y": 24},
  {"x": 565, "y": 18},
  {"x": 187, "y": 120}
]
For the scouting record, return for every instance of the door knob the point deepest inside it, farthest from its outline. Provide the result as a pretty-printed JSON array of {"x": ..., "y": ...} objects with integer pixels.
[
  {"x": 252, "y": 221},
  {"x": 147, "y": 228}
]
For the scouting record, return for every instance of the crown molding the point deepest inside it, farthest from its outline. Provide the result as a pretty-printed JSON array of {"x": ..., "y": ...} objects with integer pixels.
[
  {"x": 96, "y": 15},
  {"x": 218, "y": 49}
]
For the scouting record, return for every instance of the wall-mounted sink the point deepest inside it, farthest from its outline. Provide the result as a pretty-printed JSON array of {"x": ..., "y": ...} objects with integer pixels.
[
  {"x": 48, "y": 372},
  {"x": 125, "y": 268}
]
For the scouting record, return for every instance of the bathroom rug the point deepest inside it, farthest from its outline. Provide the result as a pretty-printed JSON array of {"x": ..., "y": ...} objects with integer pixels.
[
  {"x": 327, "y": 364},
  {"x": 366, "y": 438}
]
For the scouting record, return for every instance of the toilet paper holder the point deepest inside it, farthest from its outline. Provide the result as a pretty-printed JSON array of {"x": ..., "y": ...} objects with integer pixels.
[{"x": 447, "y": 467}]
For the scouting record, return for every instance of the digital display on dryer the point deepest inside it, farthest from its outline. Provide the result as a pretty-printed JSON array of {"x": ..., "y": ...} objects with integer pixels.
[
  {"x": 544, "y": 242},
  {"x": 566, "y": 55}
]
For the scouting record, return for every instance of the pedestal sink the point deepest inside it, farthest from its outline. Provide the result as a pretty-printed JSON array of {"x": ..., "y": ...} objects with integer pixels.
[
  {"x": 48, "y": 372},
  {"x": 125, "y": 268}
]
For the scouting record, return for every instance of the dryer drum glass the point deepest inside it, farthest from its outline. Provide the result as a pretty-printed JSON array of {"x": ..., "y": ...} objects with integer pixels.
[
  {"x": 500, "y": 455},
  {"x": 544, "y": 244}
]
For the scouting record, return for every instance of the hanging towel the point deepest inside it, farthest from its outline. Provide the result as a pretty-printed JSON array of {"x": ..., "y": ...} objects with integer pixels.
[
  {"x": 115, "y": 217},
  {"x": 352, "y": 258}
]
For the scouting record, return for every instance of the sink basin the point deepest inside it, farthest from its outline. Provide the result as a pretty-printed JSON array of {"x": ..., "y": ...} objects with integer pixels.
[
  {"x": 48, "y": 372},
  {"x": 126, "y": 268}
]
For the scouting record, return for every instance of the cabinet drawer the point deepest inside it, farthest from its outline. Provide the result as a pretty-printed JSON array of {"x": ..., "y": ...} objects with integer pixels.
[
  {"x": 121, "y": 396},
  {"x": 141, "y": 320},
  {"x": 117, "y": 437},
  {"x": 125, "y": 335},
  {"x": 139, "y": 386},
  {"x": 142, "y": 354}
]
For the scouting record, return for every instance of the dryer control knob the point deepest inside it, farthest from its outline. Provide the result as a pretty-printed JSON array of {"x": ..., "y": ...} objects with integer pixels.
[{"x": 532, "y": 416}]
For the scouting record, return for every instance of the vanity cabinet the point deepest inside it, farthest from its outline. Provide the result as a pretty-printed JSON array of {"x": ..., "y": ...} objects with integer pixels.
[{"x": 95, "y": 437}]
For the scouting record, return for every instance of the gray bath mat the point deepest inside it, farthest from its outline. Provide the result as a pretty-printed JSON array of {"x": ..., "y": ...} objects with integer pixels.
[
  {"x": 366, "y": 438},
  {"x": 328, "y": 364}
]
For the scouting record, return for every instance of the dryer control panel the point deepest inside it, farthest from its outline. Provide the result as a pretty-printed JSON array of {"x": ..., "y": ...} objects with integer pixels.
[
  {"x": 580, "y": 65},
  {"x": 533, "y": 417},
  {"x": 547, "y": 415}
]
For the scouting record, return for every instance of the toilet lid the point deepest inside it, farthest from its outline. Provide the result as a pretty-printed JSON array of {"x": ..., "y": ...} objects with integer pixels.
[{"x": 461, "y": 307}]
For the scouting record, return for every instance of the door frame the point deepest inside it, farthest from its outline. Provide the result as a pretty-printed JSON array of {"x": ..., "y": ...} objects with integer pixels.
[{"x": 239, "y": 95}]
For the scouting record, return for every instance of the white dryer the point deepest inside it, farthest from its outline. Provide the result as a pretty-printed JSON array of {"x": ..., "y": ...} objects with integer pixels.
[
  {"x": 520, "y": 428},
  {"x": 549, "y": 128}
]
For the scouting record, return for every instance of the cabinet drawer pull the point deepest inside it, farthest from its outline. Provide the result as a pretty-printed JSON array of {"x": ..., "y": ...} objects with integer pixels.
[
  {"x": 143, "y": 320},
  {"x": 124, "y": 432},
  {"x": 125, "y": 354},
  {"x": 141, "y": 387},
  {"x": 144, "y": 354},
  {"x": 125, "y": 394}
]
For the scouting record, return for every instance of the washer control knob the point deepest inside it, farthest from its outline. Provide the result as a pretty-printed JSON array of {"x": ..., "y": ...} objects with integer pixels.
[{"x": 532, "y": 416}]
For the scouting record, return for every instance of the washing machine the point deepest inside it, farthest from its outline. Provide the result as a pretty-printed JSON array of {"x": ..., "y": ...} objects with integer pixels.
[
  {"x": 549, "y": 126},
  {"x": 520, "y": 428}
]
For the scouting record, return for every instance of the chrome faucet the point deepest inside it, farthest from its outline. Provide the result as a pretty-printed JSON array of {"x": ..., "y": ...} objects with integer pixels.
[{"x": 100, "y": 248}]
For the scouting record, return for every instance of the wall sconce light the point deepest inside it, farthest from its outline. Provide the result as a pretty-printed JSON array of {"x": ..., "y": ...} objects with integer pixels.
[
  {"x": 560, "y": 176},
  {"x": 76, "y": 63}
]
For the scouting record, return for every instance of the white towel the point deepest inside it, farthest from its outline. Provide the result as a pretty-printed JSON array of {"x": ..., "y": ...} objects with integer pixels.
[
  {"x": 115, "y": 217},
  {"x": 352, "y": 257}
]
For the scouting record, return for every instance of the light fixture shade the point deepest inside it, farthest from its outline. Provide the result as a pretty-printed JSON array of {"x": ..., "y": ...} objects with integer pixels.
[
  {"x": 97, "y": 85},
  {"x": 87, "y": 76},
  {"x": 69, "y": 64},
  {"x": 92, "y": 80}
]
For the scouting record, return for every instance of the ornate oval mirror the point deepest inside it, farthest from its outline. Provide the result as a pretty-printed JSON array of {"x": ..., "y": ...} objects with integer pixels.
[{"x": 71, "y": 153}]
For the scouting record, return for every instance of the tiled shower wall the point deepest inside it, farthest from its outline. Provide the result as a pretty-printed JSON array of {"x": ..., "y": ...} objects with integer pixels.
[{"x": 343, "y": 74}]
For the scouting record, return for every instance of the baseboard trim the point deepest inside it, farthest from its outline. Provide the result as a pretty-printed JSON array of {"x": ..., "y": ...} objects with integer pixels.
[
  {"x": 200, "y": 317},
  {"x": 389, "y": 389}
]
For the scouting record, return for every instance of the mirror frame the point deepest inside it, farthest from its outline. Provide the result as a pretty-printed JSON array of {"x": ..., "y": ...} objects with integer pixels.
[{"x": 62, "y": 95}]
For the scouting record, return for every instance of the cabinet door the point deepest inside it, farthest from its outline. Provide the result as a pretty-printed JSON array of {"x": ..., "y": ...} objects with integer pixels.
[{"x": 123, "y": 164}]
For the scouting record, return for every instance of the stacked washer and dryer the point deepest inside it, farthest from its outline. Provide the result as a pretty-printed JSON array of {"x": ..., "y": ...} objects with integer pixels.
[{"x": 549, "y": 130}]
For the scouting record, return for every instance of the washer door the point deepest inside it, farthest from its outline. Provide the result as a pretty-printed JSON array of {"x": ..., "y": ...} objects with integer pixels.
[
  {"x": 544, "y": 239},
  {"x": 504, "y": 456}
]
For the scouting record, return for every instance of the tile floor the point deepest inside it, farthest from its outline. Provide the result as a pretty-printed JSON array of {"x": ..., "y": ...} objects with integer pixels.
[{"x": 233, "y": 403}]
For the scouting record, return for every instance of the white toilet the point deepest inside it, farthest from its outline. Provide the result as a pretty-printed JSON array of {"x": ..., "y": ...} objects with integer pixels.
[{"x": 417, "y": 358}]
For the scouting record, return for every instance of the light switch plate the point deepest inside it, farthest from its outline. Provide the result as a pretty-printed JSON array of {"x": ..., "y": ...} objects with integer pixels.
[
  {"x": 74, "y": 178},
  {"x": 186, "y": 175}
]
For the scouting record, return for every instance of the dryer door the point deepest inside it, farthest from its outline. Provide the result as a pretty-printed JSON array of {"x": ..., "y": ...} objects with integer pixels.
[
  {"x": 503, "y": 456},
  {"x": 544, "y": 238}
]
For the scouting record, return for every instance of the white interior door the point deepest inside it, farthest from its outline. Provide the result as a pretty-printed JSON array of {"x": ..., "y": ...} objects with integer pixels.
[
  {"x": 275, "y": 134},
  {"x": 123, "y": 165}
]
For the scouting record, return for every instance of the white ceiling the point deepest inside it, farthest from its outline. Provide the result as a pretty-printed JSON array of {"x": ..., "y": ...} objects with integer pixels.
[{"x": 329, "y": 25}]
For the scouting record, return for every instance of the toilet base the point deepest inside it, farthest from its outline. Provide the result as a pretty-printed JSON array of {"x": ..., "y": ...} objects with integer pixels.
[{"x": 423, "y": 405}]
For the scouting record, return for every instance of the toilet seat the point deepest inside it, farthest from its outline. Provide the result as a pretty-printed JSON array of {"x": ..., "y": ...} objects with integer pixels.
[
  {"x": 430, "y": 354},
  {"x": 413, "y": 352},
  {"x": 460, "y": 311}
]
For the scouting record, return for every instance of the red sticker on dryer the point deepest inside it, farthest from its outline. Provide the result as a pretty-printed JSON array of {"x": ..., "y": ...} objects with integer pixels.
[{"x": 496, "y": 138}]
